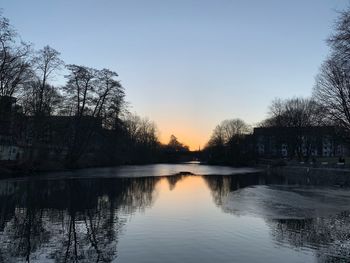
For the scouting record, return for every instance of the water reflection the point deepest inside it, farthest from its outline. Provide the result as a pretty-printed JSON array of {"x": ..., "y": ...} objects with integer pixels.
[
  {"x": 174, "y": 179},
  {"x": 301, "y": 217},
  {"x": 205, "y": 217},
  {"x": 220, "y": 186},
  {"x": 329, "y": 236},
  {"x": 68, "y": 220}
]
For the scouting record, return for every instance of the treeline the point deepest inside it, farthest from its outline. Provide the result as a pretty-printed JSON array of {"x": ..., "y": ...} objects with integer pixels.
[
  {"x": 230, "y": 143},
  {"x": 329, "y": 105},
  {"x": 85, "y": 121}
]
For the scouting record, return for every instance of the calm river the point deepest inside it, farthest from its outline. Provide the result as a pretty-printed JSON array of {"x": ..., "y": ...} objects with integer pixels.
[{"x": 157, "y": 213}]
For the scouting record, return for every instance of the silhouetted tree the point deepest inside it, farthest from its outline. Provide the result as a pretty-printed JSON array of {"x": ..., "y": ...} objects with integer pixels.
[
  {"x": 227, "y": 142},
  {"x": 112, "y": 99},
  {"x": 293, "y": 117},
  {"x": 34, "y": 99},
  {"x": 93, "y": 92},
  {"x": 339, "y": 41},
  {"x": 110, "y": 94},
  {"x": 295, "y": 112},
  {"x": 175, "y": 151},
  {"x": 228, "y": 129},
  {"x": 87, "y": 116},
  {"x": 45, "y": 63},
  {"x": 80, "y": 85},
  {"x": 332, "y": 90},
  {"x": 175, "y": 146},
  {"x": 143, "y": 137},
  {"x": 15, "y": 68},
  {"x": 93, "y": 95}
]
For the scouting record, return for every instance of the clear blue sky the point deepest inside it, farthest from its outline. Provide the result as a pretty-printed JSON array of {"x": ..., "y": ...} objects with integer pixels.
[{"x": 186, "y": 64}]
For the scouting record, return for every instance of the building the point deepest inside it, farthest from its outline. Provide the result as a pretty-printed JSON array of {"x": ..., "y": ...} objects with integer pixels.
[
  {"x": 305, "y": 142},
  {"x": 44, "y": 138},
  {"x": 9, "y": 129}
]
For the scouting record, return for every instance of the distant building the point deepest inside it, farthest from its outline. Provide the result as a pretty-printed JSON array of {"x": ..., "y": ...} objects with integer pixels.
[
  {"x": 51, "y": 137},
  {"x": 319, "y": 141},
  {"x": 48, "y": 137},
  {"x": 9, "y": 130}
]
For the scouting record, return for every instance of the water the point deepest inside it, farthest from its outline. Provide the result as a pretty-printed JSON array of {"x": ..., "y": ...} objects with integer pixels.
[{"x": 137, "y": 214}]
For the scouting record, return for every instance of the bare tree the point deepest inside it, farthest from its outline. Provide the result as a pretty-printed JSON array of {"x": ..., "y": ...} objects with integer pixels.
[
  {"x": 295, "y": 112},
  {"x": 227, "y": 142},
  {"x": 31, "y": 95},
  {"x": 107, "y": 88},
  {"x": 132, "y": 123},
  {"x": 332, "y": 91},
  {"x": 228, "y": 129},
  {"x": 294, "y": 119},
  {"x": 45, "y": 63},
  {"x": 79, "y": 89},
  {"x": 339, "y": 41},
  {"x": 93, "y": 96},
  {"x": 93, "y": 92},
  {"x": 147, "y": 133},
  {"x": 217, "y": 138},
  {"x": 141, "y": 130},
  {"x": 175, "y": 146},
  {"x": 109, "y": 98},
  {"x": 14, "y": 60}
]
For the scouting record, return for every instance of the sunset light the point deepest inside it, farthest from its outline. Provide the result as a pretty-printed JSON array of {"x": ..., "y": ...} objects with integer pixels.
[{"x": 174, "y": 131}]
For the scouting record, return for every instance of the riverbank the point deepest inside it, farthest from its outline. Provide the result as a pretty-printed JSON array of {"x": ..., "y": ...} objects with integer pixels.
[
  {"x": 311, "y": 176},
  {"x": 285, "y": 174},
  {"x": 11, "y": 169}
]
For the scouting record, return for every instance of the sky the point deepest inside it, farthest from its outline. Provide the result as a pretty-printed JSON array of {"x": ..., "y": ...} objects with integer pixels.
[{"x": 189, "y": 64}]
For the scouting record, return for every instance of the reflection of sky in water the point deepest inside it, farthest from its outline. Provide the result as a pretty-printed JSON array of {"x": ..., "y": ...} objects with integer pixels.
[
  {"x": 152, "y": 170},
  {"x": 177, "y": 218},
  {"x": 289, "y": 202},
  {"x": 184, "y": 225}
]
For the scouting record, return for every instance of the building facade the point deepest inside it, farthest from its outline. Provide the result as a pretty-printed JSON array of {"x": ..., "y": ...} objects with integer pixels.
[{"x": 306, "y": 142}]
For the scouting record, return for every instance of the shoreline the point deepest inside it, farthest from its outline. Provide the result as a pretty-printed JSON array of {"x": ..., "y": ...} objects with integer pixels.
[
  {"x": 289, "y": 174},
  {"x": 311, "y": 175}
]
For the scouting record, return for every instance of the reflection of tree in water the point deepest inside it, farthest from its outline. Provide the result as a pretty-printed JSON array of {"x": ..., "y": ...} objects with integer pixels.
[
  {"x": 23, "y": 226},
  {"x": 69, "y": 220},
  {"x": 174, "y": 179},
  {"x": 330, "y": 236},
  {"x": 221, "y": 185},
  {"x": 90, "y": 235},
  {"x": 26, "y": 233}
]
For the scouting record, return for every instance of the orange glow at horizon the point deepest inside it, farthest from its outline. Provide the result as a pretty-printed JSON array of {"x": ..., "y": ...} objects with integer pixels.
[
  {"x": 190, "y": 126},
  {"x": 193, "y": 139}
]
